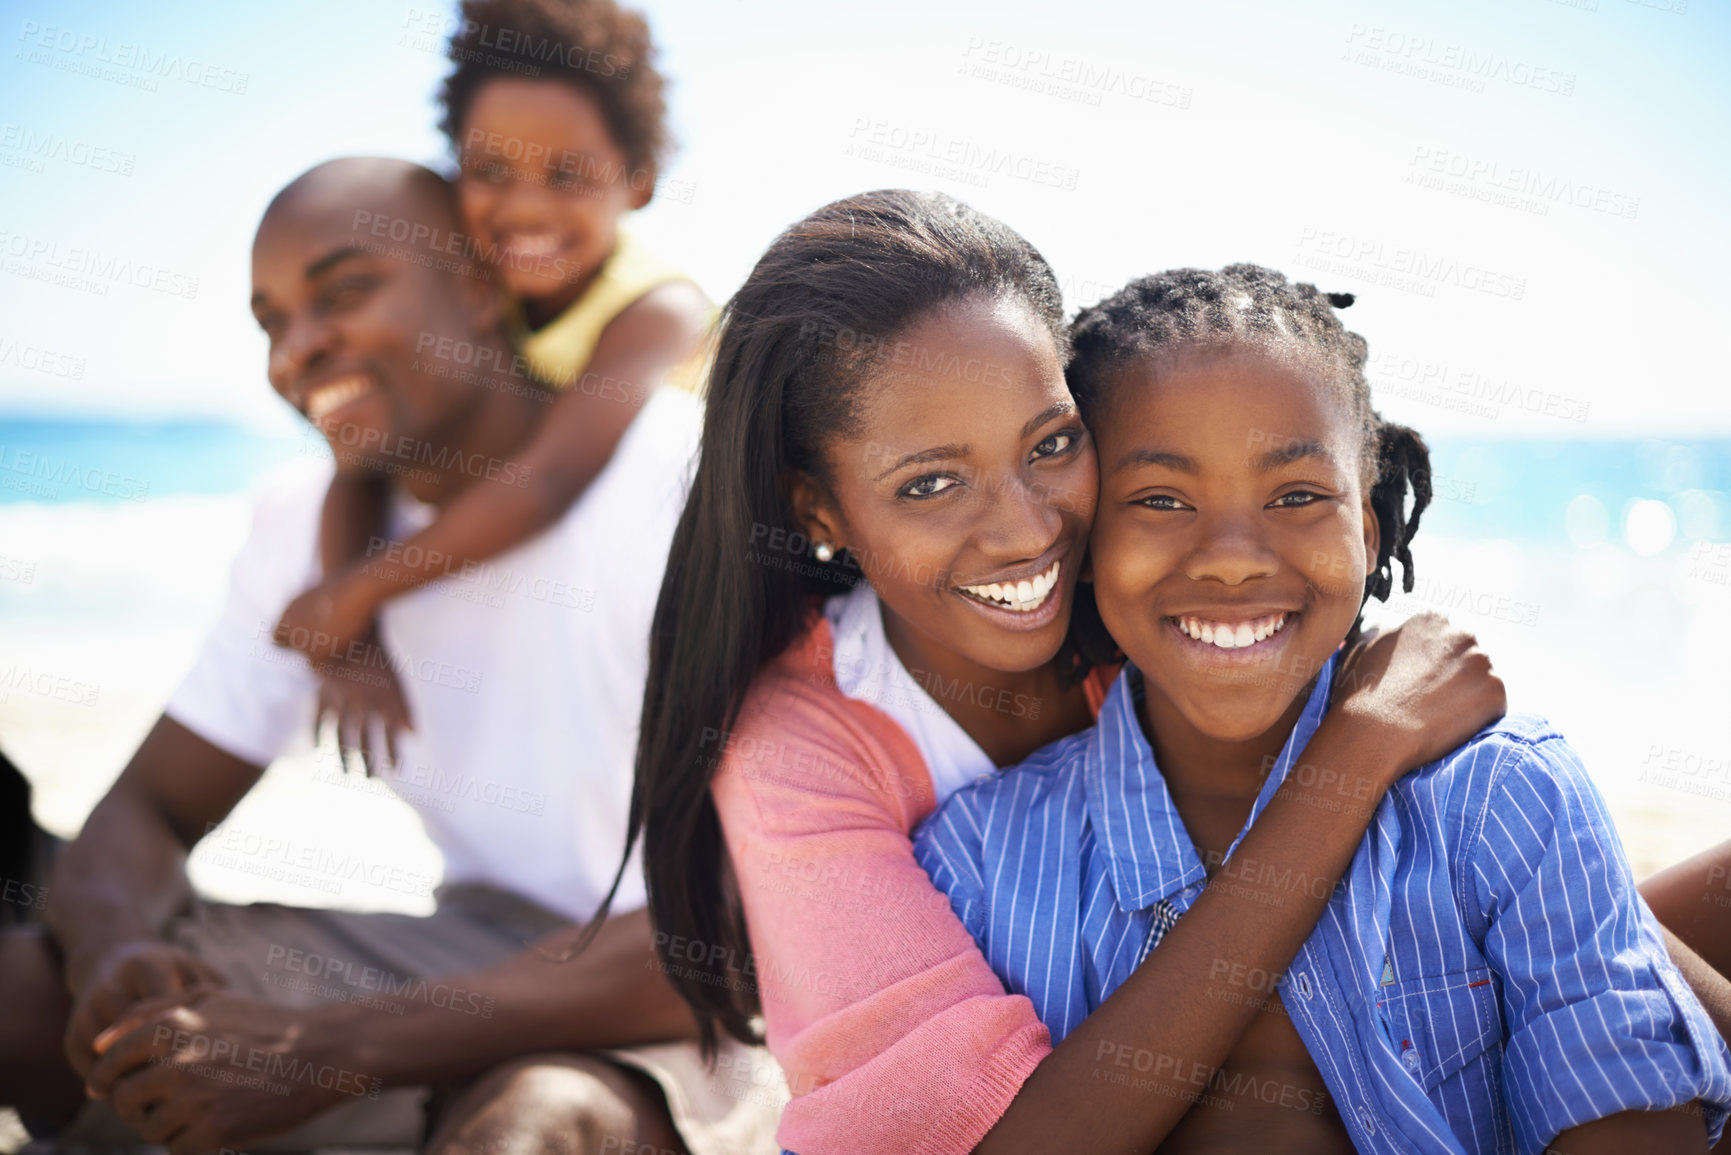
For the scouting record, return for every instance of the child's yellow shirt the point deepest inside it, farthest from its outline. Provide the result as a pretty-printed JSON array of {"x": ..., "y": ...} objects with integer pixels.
[{"x": 560, "y": 350}]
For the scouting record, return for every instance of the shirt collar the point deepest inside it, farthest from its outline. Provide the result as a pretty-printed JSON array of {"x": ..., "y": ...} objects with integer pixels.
[{"x": 1149, "y": 852}]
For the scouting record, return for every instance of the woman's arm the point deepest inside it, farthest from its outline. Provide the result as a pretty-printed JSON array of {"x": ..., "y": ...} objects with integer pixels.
[
  {"x": 1411, "y": 696},
  {"x": 894, "y": 1032}
]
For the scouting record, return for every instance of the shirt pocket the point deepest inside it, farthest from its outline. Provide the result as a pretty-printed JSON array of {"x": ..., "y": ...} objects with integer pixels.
[{"x": 1440, "y": 1023}]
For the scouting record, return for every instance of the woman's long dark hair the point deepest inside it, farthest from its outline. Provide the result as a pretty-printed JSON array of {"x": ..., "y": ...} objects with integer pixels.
[{"x": 823, "y": 306}]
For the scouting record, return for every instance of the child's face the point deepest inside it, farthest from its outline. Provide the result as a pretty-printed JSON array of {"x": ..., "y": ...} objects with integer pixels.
[
  {"x": 543, "y": 184},
  {"x": 1231, "y": 506},
  {"x": 970, "y": 469}
]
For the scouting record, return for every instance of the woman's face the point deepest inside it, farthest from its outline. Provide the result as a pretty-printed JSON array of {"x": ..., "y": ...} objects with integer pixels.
[{"x": 966, "y": 492}]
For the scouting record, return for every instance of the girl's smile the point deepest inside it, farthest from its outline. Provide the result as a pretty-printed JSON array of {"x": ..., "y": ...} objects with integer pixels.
[{"x": 1231, "y": 501}]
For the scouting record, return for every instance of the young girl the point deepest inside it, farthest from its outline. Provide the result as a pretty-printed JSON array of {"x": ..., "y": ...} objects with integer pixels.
[
  {"x": 556, "y": 115},
  {"x": 1486, "y": 979},
  {"x": 888, "y": 404}
]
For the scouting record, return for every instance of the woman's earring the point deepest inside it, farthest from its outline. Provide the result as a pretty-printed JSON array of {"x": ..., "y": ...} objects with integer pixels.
[{"x": 824, "y": 551}]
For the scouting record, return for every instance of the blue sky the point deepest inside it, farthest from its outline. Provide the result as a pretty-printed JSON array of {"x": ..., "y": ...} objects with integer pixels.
[{"x": 1527, "y": 195}]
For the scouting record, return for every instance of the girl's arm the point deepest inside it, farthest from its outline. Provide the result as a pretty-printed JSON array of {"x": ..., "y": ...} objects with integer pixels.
[
  {"x": 354, "y": 514},
  {"x": 576, "y": 439},
  {"x": 894, "y": 1032},
  {"x": 352, "y": 517},
  {"x": 370, "y": 699},
  {"x": 1410, "y": 697}
]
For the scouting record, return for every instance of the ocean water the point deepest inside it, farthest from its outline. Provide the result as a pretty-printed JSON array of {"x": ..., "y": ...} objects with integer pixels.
[
  {"x": 1597, "y": 573},
  {"x": 1484, "y": 488}
]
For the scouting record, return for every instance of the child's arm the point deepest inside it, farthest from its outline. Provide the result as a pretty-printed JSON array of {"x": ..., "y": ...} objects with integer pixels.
[
  {"x": 1411, "y": 696},
  {"x": 360, "y": 697},
  {"x": 910, "y": 1041},
  {"x": 1604, "y": 1039},
  {"x": 352, "y": 516},
  {"x": 355, "y": 509},
  {"x": 574, "y": 443}
]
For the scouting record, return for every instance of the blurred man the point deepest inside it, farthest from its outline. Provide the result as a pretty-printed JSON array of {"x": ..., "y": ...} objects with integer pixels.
[{"x": 199, "y": 1025}]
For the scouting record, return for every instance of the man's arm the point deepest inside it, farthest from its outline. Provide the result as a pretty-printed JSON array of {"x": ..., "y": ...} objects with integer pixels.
[
  {"x": 1691, "y": 900},
  {"x": 614, "y": 994},
  {"x": 119, "y": 883},
  {"x": 1678, "y": 1130},
  {"x": 1709, "y": 985}
]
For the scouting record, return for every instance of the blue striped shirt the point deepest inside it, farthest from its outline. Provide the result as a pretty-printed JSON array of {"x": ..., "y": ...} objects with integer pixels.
[{"x": 1486, "y": 978}]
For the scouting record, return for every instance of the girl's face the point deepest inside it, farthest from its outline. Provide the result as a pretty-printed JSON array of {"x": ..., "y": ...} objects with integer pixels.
[
  {"x": 1234, "y": 533},
  {"x": 967, "y": 490},
  {"x": 543, "y": 184}
]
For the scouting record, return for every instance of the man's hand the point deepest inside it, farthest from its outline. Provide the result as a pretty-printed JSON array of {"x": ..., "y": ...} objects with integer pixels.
[
  {"x": 217, "y": 1070},
  {"x": 118, "y": 981},
  {"x": 1425, "y": 683}
]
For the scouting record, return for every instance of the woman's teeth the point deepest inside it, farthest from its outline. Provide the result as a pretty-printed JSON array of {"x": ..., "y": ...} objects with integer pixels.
[
  {"x": 330, "y": 397},
  {"x": 1019, "y": 596},
  {"x": 1232, "y": 635}
]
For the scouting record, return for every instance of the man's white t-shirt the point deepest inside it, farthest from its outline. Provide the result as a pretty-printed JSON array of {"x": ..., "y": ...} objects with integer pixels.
[{"x": 523, "y": 676}]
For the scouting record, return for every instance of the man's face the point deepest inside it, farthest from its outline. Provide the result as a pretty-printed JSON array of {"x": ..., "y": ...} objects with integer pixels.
[{"x": 354, "y": 329}]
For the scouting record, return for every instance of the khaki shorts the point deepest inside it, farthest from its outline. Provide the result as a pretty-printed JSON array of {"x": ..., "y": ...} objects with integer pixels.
[{"x": 300, "y": 957}]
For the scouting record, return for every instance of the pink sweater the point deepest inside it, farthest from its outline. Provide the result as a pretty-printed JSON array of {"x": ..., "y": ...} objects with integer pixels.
[{"x": 893, "y": 1031}]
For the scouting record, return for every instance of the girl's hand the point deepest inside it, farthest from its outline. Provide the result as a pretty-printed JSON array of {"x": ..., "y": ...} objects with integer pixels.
[
  {"x": 326, "y": 621},
  {"x": 363, "y": 698},
  {"x": 1425, "y": 685}
]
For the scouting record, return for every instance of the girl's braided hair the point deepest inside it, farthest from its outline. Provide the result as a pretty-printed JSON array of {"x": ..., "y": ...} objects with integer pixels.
[{"x": 1251, "y": 305}]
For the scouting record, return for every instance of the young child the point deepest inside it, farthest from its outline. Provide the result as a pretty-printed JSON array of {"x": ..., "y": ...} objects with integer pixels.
[
  {"x": 556, "y": 115},
  {"x": 1486, "y": 978}
]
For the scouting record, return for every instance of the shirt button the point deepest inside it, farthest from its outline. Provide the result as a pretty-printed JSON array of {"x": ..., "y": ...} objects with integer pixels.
[{"x": 1369, "y": 1120}]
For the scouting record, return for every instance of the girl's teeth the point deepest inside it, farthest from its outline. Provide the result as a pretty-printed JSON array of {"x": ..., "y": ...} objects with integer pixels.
[{"x": 1232, "y": 637}]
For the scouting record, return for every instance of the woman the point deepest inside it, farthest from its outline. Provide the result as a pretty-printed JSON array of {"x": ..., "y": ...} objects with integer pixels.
[{"x": 888, "y": 404}]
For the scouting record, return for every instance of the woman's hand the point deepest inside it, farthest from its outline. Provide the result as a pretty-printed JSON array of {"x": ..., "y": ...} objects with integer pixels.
[{"x": 1425, "y": 685}]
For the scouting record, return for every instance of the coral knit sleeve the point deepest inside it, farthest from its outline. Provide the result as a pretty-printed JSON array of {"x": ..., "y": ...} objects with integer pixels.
[{"x": 895, "y": 1035}]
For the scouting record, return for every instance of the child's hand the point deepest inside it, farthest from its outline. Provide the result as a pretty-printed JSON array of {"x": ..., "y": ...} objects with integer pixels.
[
  {"x": 326, "y": 622},
  {"x": 1426, "y": 684},
  {"x": 362, "y": 698}
]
